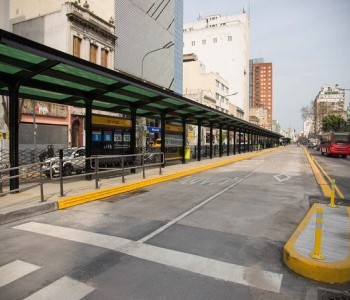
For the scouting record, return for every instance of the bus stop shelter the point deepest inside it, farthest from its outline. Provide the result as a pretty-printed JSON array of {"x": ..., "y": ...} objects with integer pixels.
[{"x": 33, "y": 71}]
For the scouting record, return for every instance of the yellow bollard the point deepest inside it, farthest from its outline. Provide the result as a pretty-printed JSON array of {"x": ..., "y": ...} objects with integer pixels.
[
  {"x": 332, "y": 202},
  {"x": 317, "y": 253}
]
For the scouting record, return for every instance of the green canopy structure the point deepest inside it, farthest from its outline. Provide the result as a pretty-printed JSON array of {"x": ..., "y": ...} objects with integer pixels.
[{"x": 33, "y": 71}]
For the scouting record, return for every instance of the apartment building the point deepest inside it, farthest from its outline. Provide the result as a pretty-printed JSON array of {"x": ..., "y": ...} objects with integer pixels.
[
  {"x": 330, "y": 100},
  {"x": 72, "y": 28},
  {"x": 222, "y": 44},
  {"x": 261, "y": 89}
]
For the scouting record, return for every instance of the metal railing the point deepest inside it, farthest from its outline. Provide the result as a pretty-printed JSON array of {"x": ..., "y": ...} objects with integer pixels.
[
  {"x": 25, "y": 171},
  {"x": 98, "y": 166},
  {"x": 108, "y": 164}
]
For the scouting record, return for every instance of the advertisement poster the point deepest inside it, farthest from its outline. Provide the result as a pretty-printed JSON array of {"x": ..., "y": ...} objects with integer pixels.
[
  {"x": 107, "y": 136},
  {"x": 96, "y": 136},
  {"x": 126, "y": 136},
  {"x": 118, "y": 137}
]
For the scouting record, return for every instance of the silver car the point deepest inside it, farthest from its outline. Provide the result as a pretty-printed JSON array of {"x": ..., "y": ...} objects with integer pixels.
[{"x": 73, "y": 162}]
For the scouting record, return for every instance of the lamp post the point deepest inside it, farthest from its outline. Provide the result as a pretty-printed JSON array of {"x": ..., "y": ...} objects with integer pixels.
[
  {"x": 225, "y": 96},
  {"x": 166, "y": 46}
]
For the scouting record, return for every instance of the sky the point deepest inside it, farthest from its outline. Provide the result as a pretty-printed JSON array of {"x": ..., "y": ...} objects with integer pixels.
[{"x": 307, "y": 42}]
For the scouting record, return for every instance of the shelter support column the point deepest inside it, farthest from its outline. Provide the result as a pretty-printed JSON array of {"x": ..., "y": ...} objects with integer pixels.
[
  {"x": 234, "y": 141},
  {"x": 211, "y": 140},
  {"x": 239, "y": 141},
  {"x": 133, "y": 111},
  {"x": 14, "y": 136},
  {"x": 162, "y": 134},
  {"x": 183, "y": 139},
  {"x": 228, "y": 142},
  {"x": 199, "y": 140},
  {"x": 88, "y": 135},
  {"x": 249, "y": 142},
  {"x": 220, "y": 141}
]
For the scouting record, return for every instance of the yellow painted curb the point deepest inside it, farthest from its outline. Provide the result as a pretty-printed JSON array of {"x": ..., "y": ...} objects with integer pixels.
[
  {"x": 329, "y": 272},
  {"x": 335, "y": 272},
  {"x": 108, "y": 192},
  {"x": 319, "y": 178}
]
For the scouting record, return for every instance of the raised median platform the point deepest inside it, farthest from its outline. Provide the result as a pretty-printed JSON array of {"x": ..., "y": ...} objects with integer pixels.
[{"x": 332, "y": 262}]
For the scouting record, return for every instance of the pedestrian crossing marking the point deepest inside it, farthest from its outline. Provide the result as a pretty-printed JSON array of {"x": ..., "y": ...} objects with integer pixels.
[
  {"x": 185, "y": 261},
  {"x": 63, "y": 288},
  {"x": 15, "y": 270}
]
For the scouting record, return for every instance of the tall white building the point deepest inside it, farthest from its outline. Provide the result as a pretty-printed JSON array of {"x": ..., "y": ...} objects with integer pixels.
[
  {"x": 222, "y": 44},
  {"x": 149, "y": 43}
]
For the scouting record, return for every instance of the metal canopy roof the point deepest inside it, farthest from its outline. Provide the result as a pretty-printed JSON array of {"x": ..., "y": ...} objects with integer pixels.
[{"x": 50, "y": 75}]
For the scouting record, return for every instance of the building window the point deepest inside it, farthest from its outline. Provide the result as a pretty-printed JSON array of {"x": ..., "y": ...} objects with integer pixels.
[
  {"x": 217, "y": 96},
  {"x": 193, "y": 43},
  {"x": 104, "y": 58},
  {"x": 76, "y": 46},
  {"x": 215, "y": 40},
  {"x": 204, "y": 42},
  {"x": 229, "y": 38},
  {"x": 217, "y": 83},
  {"x": 93, "y": 53}
]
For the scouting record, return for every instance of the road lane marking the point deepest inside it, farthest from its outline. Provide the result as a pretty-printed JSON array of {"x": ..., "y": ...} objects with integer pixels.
[
  {"x": 193, "y": 209},
  {"x": 329, "y": 179},
  {"x": 192, "y": 180},
  {"x": 15, "y": 270},
  {"x": 63, "y": 288},
  {"x": 282, "y": 177},
  {"x": 189, "y": 262}
]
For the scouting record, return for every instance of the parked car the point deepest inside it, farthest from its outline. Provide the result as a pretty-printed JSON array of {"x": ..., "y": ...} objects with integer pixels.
[
  {"x": 73, "y": 162},
  {"x": 312, "y": 143}
]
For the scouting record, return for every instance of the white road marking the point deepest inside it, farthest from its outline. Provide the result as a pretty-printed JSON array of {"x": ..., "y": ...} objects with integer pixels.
[
  {"x": 14, "y": 271},
  {"x": 209, "y": 267},
  {"x": 63, "y": 288},
  {"x": 185, "y": 214},
  {"x": 282, "y": 177},
  {"x": 207, "y": 181},
  {"x": 205, "y": 266},
  {"x": 75, "y": 235}
]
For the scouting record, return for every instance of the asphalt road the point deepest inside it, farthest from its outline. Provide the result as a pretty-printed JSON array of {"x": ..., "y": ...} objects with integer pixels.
[
  {"x": 337, "y": 168},
  {"x": 213, "y": 235}
]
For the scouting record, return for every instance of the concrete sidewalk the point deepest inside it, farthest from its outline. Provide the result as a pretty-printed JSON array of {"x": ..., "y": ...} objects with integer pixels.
[{"x": 78, "y": 190}]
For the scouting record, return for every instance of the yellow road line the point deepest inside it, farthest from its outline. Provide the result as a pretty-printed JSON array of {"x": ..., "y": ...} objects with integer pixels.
[
  {"x": 319, "y": 178},
  {"x": 329, "y": 179},
  {"x": 330, "y": 272}
]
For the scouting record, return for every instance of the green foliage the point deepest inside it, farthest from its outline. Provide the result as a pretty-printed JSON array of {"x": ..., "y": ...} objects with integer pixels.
[{"x": 334, "y": 123}]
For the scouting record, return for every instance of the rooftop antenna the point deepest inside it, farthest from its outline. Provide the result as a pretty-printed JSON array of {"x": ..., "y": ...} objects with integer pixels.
[{"x": 200, "y": 16}]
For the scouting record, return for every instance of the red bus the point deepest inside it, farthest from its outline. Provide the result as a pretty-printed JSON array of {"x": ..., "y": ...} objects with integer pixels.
[{"x": 335, "y": 143}]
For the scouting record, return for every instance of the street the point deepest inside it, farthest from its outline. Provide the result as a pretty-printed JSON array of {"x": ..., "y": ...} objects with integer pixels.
[
  {"x": 218, "y": 234},
  {"x": 337, "y": 168}
]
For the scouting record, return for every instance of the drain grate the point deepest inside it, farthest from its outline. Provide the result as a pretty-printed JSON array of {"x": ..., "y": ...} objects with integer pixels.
[
  {"x": 327, "y": 294},
  {"x": 325, "y": 200}
]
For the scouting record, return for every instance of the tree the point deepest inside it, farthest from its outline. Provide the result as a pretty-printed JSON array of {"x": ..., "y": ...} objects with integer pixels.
[
  {"x": 334, "y": 123},
  {"x": 307, "y": 112}
]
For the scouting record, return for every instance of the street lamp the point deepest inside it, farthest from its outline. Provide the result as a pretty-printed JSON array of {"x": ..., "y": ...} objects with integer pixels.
[
  {"x": 231, "y": 94},
  {"x": 166, "y": 46},
  {"x": 225, "y": 96}
]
